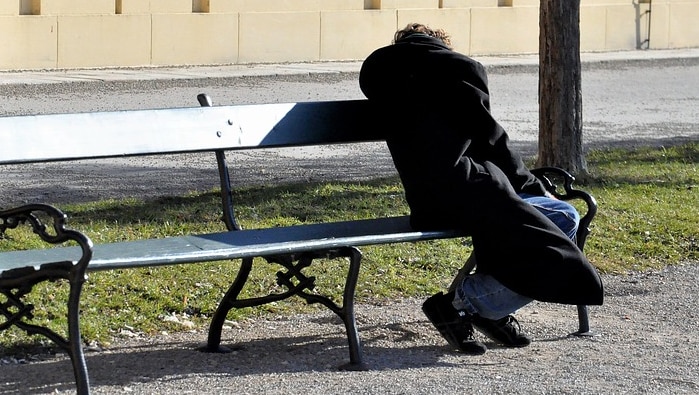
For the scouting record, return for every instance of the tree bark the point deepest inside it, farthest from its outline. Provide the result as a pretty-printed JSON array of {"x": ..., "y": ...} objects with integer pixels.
[{"x": 560, "y": 91}]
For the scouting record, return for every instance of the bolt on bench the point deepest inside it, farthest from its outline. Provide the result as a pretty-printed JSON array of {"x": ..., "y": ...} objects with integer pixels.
[{"x": 68, "y": 137}]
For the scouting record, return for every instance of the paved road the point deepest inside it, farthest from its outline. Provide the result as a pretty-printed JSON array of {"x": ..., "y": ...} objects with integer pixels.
[{"x": 638, "y": 97}]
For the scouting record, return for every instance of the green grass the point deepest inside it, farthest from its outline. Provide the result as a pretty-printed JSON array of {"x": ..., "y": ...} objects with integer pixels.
[
  {"x": 649, "y": 207},
  {"x": 648, "y": 218}
]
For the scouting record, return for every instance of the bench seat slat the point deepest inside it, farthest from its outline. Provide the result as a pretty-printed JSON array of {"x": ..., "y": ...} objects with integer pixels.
[{"x": 232, "y": 245}]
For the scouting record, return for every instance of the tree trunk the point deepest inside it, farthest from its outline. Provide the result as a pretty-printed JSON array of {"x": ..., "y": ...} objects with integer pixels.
[{"x": 560, "y": 93}]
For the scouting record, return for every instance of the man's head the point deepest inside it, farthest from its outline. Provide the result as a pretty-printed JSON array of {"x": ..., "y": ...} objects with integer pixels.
[{"x": 413, "y": 28}]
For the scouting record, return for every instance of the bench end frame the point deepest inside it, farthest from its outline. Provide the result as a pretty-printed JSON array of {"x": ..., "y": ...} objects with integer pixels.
[{"x": 17, "y": 283}]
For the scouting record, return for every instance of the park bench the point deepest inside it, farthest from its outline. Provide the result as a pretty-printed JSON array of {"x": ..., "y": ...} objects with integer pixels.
[{"x": 39, "y": 139}]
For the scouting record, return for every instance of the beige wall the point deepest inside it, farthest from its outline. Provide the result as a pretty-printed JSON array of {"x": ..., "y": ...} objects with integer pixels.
[{"x": 105, "y": 33}]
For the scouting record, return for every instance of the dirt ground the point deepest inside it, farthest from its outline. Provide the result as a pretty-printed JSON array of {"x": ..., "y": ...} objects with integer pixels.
[{"x": 645, "y": 343}]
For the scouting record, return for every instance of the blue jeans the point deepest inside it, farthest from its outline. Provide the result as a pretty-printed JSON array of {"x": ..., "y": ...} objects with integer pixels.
[{"x": 482, "y": 294}]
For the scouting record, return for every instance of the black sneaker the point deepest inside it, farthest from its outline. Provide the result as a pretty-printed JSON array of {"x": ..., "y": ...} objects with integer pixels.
[
  {"x": 452, "y": 324},
  {"x": 505, "y": 331}
]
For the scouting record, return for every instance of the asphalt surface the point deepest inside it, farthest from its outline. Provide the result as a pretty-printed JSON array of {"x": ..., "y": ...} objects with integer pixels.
[{"x": 645, "y": 342}]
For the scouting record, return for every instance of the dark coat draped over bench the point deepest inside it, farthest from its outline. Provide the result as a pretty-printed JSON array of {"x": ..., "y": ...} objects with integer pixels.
[{"x": 459, "y": 171}]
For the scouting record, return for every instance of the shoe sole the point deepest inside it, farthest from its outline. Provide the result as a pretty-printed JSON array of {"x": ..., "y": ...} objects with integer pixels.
[
  {"x": 470, "y": 347},
  {"x": 499, "y": 341}
]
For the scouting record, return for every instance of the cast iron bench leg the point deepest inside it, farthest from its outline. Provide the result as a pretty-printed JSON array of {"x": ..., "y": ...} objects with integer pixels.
[
  {"x": 583, "y": 322},
  {"x": 77, "y": 355},
  {"x": 347, "y": 313},
  {"x": 227, "y": 303}
]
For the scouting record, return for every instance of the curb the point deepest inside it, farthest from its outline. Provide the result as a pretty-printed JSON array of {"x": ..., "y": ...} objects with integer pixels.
[{"x": 37, "y": 77}]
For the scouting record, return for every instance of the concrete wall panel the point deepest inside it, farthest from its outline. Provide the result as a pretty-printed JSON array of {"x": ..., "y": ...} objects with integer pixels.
[
  {"x": 469, "y": 3},
  {"x": 264, "y": 5},
  {"x": 104, "y": 40},
  {"x": 593, "y": 30},
  {"x": 195, "y": 39},
  {"x": 354, "y": 35},
  {"x": 408, "y": 4},
  {"x": 10, "y": 7},
  {"x": 73, "y": 7},
  {"x": 279, "y": 37},
  {"x": 33, "y": 43},
  {"x": 606, "y": 2},
  {"x": 153, "y": 6},
  {"x": 525, "y": 3},
  {"x": 337, "y": 5},
  {"x": 404, "y": 4},
  {"x": 504, "y": 30},
  {"x": 622, "y": 28},
  {"x": 170, "y": 6},
  {"x": 660, "y": 27},
  {"x": 684, "y": 25}
]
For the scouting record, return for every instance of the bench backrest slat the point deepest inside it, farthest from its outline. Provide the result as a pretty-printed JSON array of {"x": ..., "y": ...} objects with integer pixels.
[{"x": 44, "y": 138}]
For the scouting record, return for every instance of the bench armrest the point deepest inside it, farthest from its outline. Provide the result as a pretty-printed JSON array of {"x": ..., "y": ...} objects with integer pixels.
[
  {"x": 549, "y": 176},
  {"x": 49, "y": 223}
]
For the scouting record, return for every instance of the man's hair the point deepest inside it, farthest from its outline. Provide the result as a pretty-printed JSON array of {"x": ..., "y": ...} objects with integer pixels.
[{"x": 412, "y": 28}]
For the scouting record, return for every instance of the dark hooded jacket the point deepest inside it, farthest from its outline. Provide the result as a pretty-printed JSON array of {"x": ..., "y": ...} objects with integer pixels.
[{"x": 459, "y": 171}]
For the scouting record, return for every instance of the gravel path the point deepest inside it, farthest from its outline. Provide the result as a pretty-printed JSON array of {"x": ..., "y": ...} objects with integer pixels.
[{"x": 646, "y": 343}]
